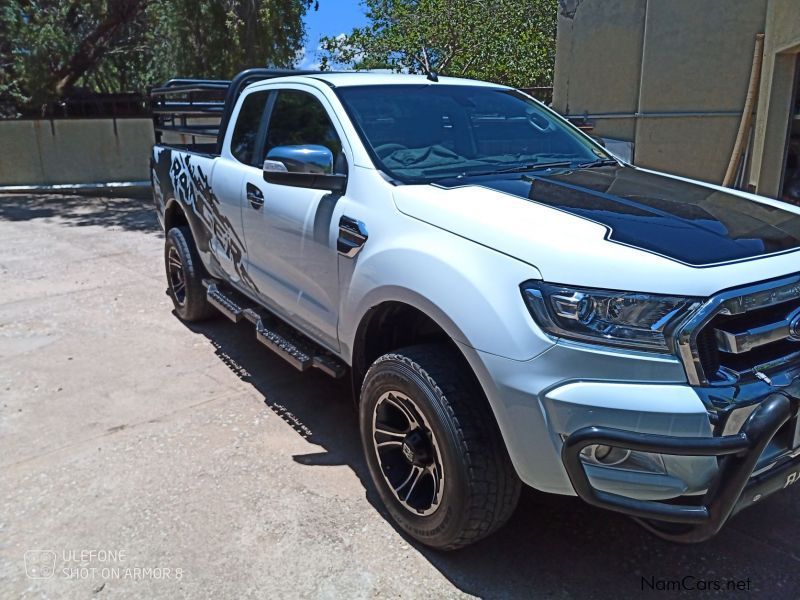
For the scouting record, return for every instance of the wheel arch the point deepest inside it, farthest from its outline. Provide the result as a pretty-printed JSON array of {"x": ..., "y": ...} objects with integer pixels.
[
  {"x": 390, "y": 324},
  {"x": 175, "y": 216},
  {"x": 385, "y": 327}
]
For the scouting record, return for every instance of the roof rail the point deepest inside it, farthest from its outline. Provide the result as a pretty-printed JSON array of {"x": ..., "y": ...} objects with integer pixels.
[{"x": 202, "y": 107}]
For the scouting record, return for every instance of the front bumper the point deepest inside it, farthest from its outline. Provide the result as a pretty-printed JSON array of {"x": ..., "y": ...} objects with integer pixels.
[{"x": 733, "y": 488}]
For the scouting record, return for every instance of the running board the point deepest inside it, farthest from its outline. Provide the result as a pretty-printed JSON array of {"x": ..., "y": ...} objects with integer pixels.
[
  {"x": 223, "y": 303},
  {"x": 293, "y": 347}
]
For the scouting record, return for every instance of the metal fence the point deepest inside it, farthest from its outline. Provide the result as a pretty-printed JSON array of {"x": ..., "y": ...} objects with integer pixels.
[{"x": 89, "y": 106}]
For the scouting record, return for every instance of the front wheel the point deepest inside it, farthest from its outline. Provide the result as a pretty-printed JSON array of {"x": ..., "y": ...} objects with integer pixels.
[{"x": 433, "y": 449}]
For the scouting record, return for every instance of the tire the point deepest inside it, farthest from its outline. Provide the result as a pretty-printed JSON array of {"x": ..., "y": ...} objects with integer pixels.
[
  {"x": 185, "y": 276},
  {"x": 477, "y": 489}
]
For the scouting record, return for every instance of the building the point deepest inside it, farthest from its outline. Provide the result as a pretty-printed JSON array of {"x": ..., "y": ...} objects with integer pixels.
[{"x": 670, "y": 78}]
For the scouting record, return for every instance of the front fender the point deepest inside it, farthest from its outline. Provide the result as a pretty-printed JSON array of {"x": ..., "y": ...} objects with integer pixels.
[{"x": 471, "y": 291}]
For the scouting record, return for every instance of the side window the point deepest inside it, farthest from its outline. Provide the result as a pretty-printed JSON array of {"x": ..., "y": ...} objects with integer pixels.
[
  {"x": 299, "y": 118},
  {"x": 245, "y": 134}
]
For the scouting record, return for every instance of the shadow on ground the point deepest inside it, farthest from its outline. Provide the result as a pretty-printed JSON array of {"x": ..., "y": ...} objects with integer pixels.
[
  {"x": 553, "y": 546},
  {"x": 130, "y": 213}
]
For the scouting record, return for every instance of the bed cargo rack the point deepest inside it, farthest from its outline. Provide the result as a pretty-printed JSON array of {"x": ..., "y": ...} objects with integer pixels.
[{"x": 201, "y": 108}]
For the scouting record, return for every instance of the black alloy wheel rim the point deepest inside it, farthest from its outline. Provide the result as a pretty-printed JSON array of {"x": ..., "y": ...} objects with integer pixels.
[
  {"x": 408, "y": 453},
  {"x": 177, "y": 275}
]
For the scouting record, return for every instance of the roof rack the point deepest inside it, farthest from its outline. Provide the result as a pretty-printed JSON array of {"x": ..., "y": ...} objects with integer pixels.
[{"x": 202, "y": 107}]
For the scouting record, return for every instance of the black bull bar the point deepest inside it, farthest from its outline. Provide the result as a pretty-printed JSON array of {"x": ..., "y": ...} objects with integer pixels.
[{"x": 733, "y": 489}]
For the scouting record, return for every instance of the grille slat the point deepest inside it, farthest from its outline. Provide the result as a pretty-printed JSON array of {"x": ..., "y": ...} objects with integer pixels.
[
  {"x": 740, "y": 331},
  {"x": 749, "y": 340}
]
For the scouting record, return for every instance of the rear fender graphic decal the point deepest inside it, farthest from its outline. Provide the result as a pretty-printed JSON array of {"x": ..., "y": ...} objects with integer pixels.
[{"x": 192, "y": 189}]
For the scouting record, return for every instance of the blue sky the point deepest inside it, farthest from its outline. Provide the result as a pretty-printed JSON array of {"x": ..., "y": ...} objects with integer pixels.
[{"x": 332, "y": 18}]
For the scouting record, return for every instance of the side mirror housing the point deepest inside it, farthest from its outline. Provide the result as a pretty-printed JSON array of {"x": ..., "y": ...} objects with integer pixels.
[
  {"x": 598, "y": 140},
  {"x": 307, "y": 166}
]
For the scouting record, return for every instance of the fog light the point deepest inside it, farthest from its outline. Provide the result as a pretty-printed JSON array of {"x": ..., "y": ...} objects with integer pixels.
[
  {"x": 622, "y": 458},
  {"x": 614, "y": 456},
  {"x": 600, "y": 452},
  {"x": 606, "y": 455}
]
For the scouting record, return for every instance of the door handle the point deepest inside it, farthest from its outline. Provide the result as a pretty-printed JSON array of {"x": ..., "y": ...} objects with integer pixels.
[
  {"x": 255, "y": 200},
  {"x": 255, "y": 196}
]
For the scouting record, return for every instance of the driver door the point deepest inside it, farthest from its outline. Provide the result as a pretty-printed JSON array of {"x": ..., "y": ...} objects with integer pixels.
[{"x": 291, "y": 232}]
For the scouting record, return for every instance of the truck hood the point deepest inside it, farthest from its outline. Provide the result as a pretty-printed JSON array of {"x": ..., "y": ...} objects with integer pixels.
[{"x": 617, "y": 227}]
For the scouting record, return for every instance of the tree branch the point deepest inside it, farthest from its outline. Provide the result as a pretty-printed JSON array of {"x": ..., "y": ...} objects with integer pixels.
[{"x": 97, "y": 43}]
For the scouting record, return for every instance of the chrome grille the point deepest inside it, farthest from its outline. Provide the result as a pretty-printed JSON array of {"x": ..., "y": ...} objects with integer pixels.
[
  {"x": 740, "y": 334},
  {"x": 741, "y": 331}
]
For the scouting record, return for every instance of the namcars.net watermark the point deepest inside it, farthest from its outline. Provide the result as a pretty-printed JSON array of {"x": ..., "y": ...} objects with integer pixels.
[
  {"x": 692, "y": 583},
  {"x": 99, "y": 564}
]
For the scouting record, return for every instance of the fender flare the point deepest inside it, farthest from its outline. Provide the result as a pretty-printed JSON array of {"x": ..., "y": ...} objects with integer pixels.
[
  {"x": 398, "y": 294},
  {"x": 471, "y": 294}
]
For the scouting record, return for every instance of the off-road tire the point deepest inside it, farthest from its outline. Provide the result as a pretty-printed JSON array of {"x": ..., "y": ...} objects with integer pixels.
[
  {"x": 480, "y": 487},
  {"x": 191, "y": 304}
]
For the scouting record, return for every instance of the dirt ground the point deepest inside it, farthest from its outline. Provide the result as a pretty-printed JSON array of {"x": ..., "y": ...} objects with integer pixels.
[{"x": 142, "y": 457}]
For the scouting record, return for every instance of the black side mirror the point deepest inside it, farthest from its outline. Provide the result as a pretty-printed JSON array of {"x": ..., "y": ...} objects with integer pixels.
[
  {"x": 599, "y": 140},
  {"x": 307, "y": 166}
]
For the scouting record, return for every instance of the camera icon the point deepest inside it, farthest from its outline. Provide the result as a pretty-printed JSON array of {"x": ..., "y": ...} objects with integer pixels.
[{"x": 40, "y": 564}]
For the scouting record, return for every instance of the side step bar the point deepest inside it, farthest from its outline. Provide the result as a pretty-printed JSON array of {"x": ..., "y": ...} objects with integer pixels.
[
  {"x": 290, "y": 345},
  {"x": 221, "y": 302}
]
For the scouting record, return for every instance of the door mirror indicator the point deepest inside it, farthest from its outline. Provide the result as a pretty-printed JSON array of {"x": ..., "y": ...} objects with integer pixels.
[{"x": 275, "y": 165}]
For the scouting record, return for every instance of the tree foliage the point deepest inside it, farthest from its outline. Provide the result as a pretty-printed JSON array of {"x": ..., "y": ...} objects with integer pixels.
[
  {"x": 56, "y": 48},
  {"x": 507, "y": 41},
  {"x": 218, "y": 38},
  {"x": 49, "y": 45}
]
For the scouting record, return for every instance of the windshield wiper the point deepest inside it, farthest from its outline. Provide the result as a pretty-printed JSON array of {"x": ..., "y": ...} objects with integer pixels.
[
  {"x": 600, "y": 162},
  {"x": 521, "y": 168},
  {"x": 532, "y": 166}
]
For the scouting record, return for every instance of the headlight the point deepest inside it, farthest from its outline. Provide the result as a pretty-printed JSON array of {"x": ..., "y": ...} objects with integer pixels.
[{"x": 628, "y": 319}]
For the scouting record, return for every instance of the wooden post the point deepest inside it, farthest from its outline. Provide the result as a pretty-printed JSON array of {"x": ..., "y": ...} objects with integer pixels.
[{"x": 747, "y": 114}]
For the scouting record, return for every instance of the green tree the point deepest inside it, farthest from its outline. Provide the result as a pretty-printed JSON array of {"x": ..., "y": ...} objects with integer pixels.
[
  {"x": 50, "y": 46},
  {"x": 218, "y": 38},
  {"x": 54, "y": 48},
  {"x": 507, "y": 41}
]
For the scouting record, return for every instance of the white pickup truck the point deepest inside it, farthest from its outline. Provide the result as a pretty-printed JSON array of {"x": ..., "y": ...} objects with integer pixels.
[{"x": 512, "y": 304}]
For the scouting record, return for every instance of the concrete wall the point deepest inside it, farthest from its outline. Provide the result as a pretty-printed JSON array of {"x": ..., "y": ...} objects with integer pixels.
[
  {"x": 39, "y": 152},
  {"x": 593, "y": 75},
  {"x": 778, "y": 80},
  {"x": 642, "y": 59}
]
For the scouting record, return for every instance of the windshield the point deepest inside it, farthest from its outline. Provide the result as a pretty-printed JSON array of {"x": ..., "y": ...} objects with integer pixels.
[{"x": 421, "y": 133}]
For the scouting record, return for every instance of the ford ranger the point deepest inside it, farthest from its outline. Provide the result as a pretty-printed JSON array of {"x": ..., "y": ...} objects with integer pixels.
[{"x": 512, "y": 304}]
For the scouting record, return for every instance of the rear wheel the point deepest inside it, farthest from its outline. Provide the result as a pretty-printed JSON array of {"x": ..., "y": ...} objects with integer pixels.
[
  {"x": 185, "y": 276},
  {"x": 433, "y": 449}
]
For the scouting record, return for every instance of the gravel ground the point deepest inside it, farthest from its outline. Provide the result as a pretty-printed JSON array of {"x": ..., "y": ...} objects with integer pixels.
[{"x": 142, "y": 457}]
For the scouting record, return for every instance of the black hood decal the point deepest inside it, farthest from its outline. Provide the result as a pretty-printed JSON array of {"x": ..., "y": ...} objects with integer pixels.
[{"x": 679, "y": 220}]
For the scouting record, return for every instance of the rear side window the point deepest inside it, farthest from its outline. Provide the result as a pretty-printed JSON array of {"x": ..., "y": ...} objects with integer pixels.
[
  {"x": 298, "y": 118},
  {"x": 245, "y": 134}
]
